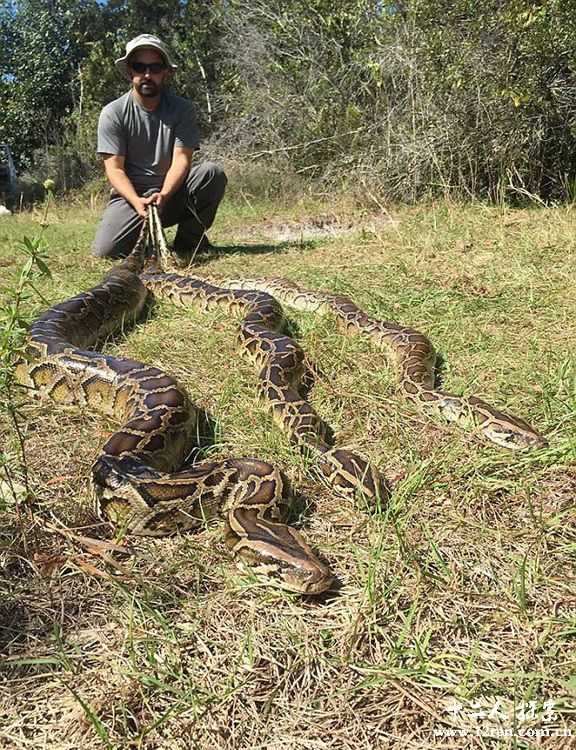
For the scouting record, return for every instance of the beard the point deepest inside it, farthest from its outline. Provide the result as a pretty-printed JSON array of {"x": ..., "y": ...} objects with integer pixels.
[{"x": 148, "y": 89}]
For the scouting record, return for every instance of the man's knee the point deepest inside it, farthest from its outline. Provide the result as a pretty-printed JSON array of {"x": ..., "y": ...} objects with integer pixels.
[
  {"x": 209, "y": 170},
  {"x": 106, "y": 247},
  {"x": 102, "y": 249},
  {"x": 209, "y": 176},
  {"x": 118, "y": 230}
]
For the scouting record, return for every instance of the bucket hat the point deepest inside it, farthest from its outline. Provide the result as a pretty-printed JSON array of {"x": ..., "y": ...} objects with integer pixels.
[{"x": 143, "y": 41}]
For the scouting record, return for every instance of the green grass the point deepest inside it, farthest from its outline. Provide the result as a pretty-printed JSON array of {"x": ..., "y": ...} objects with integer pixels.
[{"x": 460, "y": 589}]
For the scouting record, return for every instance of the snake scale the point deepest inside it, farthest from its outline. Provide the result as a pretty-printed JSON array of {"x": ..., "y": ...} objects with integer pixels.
[{"x": 140, "y": 479}]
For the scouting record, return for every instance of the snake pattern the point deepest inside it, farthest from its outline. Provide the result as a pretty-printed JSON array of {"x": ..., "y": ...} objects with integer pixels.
[
  {"x": 414, "y": 358},
  {"x": 141, "y": 481}
]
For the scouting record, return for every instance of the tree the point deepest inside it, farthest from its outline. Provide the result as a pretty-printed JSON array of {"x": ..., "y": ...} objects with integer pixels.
[{"x": 39, "y": 66}]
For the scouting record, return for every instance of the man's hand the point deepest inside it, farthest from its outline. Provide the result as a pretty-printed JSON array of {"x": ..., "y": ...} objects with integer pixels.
[
  {"x": 140, "y": 205},
  {"x": 158, "y": 199}
]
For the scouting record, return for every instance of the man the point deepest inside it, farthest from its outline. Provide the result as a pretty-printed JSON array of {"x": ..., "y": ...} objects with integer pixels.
[{"x": 146, "y": 139}]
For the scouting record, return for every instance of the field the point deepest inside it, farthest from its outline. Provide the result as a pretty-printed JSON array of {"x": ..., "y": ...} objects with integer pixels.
[{"x": 453, "y": 619}]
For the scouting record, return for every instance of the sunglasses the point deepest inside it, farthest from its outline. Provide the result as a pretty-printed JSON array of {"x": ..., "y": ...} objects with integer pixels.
[{"x": 154, "y": 68}]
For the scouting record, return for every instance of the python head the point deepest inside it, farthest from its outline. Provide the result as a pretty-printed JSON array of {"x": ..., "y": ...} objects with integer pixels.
[
  {"x": 119, "y": 496},
  {"x": 275, "y": 553},
  {"x": 506, "y": 430},
  {"x": 515, "y": 434}
]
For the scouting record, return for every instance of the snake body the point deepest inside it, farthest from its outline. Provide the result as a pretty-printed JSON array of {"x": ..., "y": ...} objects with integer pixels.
[
  {"x": 414, "y": 357},
  {"x": 280, "y": 363},
  {"x": 137, "y": 479}
]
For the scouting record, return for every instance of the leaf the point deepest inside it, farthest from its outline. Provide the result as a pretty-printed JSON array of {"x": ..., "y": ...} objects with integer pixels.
[
  {"x": 89, "y": 568},
  {"x": 12, "y": 492},
  {"x": 99, "y": 546},
  {"x": 49, "y": 563},
  {"x": 29, "y": 245},
  {"x": 26, "y": 268},
  {"x": 43, "y": 267}
]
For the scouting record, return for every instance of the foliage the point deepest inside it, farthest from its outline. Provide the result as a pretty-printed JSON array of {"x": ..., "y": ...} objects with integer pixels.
[
  {"x": 431, "y": 96},
  {"x": 13, "y": 320},
  {"x": 400, "y": 98},
  {"x": 38, "y": 65}
]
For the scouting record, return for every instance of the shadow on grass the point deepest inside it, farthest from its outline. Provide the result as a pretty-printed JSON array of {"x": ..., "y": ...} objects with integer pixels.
[
  {"x": 221, "y": 251},
  {"x": 439, "y": 370}
]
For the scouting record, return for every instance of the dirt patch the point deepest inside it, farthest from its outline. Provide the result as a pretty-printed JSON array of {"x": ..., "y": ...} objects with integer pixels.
[{"x": 322, "y": 226}]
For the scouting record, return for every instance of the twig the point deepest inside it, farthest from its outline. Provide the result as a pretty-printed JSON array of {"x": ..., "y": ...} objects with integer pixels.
[{"x": 207, "y": 91}]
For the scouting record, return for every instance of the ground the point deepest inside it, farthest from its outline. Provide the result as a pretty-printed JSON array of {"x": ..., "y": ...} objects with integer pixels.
[{"x": 452, "y": 621}]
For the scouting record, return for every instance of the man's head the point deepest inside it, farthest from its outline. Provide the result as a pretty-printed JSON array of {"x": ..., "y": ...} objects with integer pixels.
[
  {"x": 147, "y": 64},
  {"x": 148, "y": 72}
]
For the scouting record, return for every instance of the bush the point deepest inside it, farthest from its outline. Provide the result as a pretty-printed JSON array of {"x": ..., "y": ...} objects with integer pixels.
[{"x": 431, "y": 97}]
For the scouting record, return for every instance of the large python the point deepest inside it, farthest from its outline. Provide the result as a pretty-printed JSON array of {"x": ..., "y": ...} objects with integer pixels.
[{"x": 136, "y": 479}]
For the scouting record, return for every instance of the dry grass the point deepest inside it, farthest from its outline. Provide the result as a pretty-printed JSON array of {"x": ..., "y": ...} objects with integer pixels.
[{"x": 461, "y": 589}]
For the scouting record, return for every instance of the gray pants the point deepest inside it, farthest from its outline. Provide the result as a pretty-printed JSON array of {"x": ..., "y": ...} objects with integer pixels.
[{"x": 193, "y": 207}]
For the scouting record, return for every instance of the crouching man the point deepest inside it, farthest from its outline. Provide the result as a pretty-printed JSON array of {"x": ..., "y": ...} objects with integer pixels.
[{"x": 146, "y": 139}]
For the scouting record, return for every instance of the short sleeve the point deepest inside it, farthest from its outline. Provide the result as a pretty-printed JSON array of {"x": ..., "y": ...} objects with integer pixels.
[
  {"x": 111, "y": 136},
  {"x": 186, "y": 134}
]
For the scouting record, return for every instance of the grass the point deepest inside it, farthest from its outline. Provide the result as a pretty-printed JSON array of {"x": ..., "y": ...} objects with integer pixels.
[{"x": 460, "y": 591}]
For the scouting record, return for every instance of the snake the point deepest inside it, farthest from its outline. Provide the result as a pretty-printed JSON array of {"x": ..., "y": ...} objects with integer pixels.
[
  {"x": 414, "y": 359},
  {"x": 140, "y": 480}
]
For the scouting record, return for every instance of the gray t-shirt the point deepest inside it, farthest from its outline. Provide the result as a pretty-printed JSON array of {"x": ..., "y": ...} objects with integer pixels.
[{"x": 147, "y": 139}]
